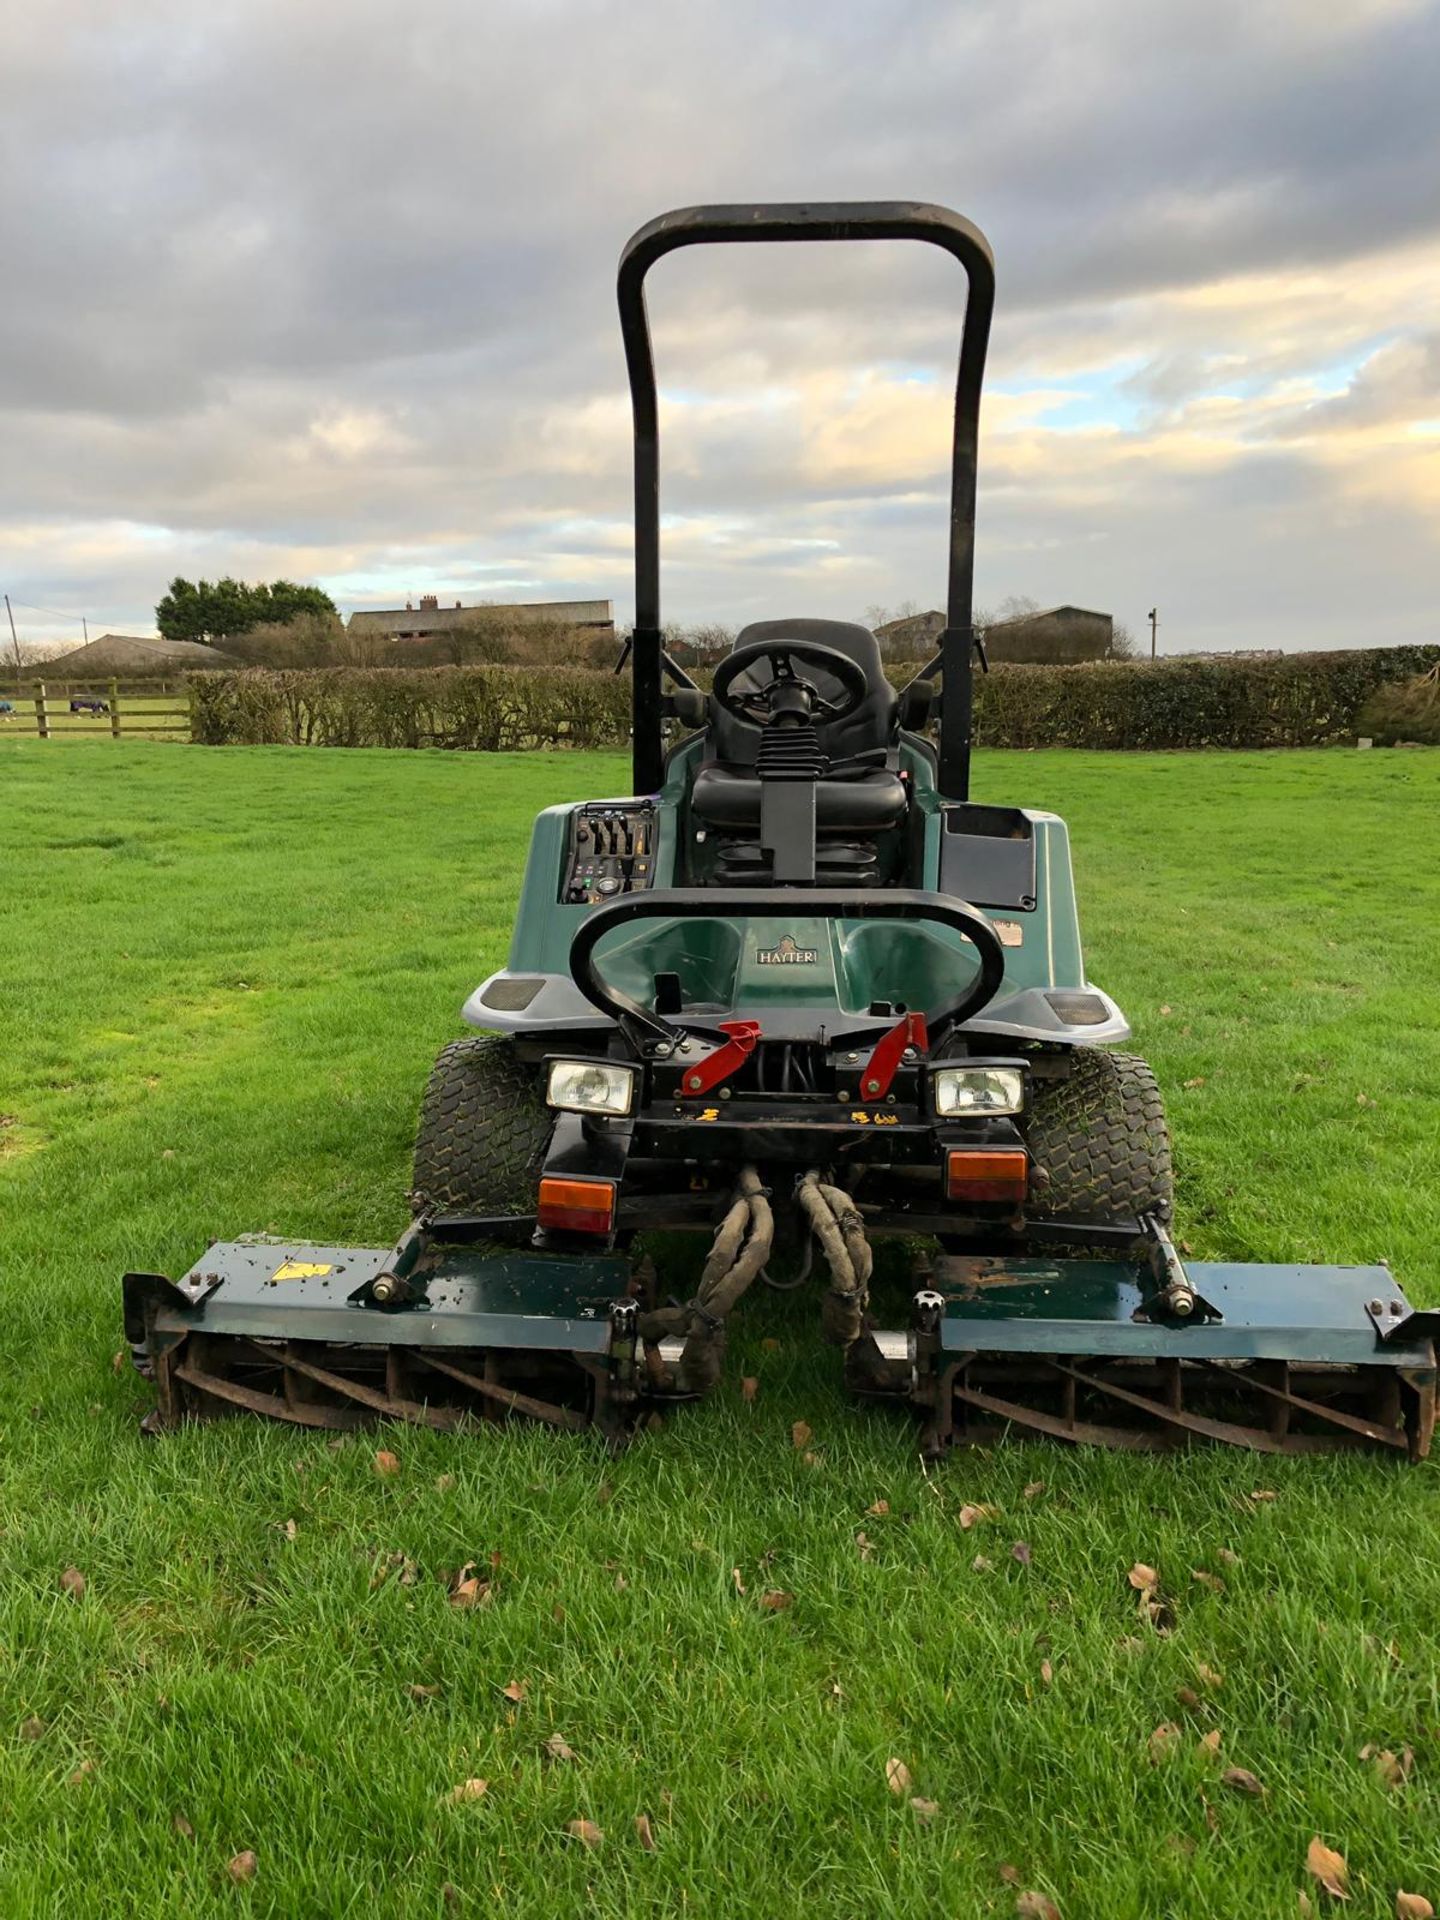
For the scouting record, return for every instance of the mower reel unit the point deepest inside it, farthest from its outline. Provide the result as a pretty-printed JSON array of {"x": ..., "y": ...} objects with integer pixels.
[{"x": 796, "y": 981}]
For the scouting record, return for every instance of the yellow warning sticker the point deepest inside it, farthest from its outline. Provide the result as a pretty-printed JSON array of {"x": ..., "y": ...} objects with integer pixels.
[{"x": 301, "y": 1270}]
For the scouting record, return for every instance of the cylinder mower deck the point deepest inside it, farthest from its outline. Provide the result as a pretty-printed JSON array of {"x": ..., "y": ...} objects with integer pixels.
[{"x": 1276, "y": 1359}]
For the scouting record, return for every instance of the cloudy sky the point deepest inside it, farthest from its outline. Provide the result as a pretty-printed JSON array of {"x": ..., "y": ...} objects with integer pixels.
[{"x": 326, "y": 290}]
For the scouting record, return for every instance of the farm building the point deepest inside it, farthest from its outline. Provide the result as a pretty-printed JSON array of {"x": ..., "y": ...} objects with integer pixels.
[
  {"x": 1029, "y": 639},
  {"x": 420, "y": 622},
  {"x": 124, "y": 653},
  {"x": 1056, "y": 634}
]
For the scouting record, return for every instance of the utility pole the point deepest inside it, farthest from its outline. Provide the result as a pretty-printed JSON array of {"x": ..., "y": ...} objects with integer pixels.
[
  {"x": 1154, "y": 618},
  {"x": 86, "y": 625},
  {"x": 14, "y": 641}
]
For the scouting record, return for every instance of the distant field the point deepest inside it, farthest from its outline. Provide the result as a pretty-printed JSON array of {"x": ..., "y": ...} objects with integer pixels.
[
  {"x": 226, "y": 973},
  {"x": 165, "y": 710}
]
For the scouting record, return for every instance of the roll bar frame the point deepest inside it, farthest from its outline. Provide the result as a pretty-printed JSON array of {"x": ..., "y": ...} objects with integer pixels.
[{"x": 820, "y": 220}]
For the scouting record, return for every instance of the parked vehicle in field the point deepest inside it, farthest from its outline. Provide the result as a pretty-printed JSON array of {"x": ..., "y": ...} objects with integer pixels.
[{"x": 798, "y": 990}]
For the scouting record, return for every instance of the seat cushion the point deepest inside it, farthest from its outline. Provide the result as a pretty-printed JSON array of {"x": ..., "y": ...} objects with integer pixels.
[{"x": 864, "y": 805}]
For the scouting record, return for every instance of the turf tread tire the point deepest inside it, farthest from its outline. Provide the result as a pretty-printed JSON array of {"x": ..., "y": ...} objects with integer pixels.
[
  {"x": 1100, "y": 1137},
  {"x": 483, "y": 1133}
]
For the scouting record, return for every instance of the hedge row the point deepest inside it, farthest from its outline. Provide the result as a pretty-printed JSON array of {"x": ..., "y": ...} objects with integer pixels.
[
  {"x": 1297, "y": 700},
  {"x": 1300, "y": 700},
  {"x": 482, "y": 709}
]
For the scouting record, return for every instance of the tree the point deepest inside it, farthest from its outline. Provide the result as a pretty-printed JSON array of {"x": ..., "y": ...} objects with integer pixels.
[{"x": 201, "y": 612}]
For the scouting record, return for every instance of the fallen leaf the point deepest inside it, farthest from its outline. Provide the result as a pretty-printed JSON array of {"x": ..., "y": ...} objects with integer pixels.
[
  {"x": 72, "y": 1580},
  {"x": 621, "y": 1583},
  {"x": 515, "y": 1691},
  {"x": 971, "y": 1515},
  {"x": 644, "y": 1832},
  {"x": 1327, "y": 1867},
  {"x": 1394, "y": 1770},
  {"x": 586, "y": 1832},
  {"x": 925, "y": 1810},
  {"x": 1047, "y": 1673},
  {"x": 1210, "y": 1742},
  {"x": 1304, "y": 1907},
  {"x": 808, "y": 1459},
  {"x": 1010, "y": 1875},
  {"x": 417, "y": 1690},
  {"x": 1034, "y": 1489},
  {"x": 980, "y": 1564},
  {"x": 1166, "y": 1010},
  {"x": 736, "y": 1577},
  {"x": 445, "y": 1483},
  {"x": 866, "y": 1546},
  {"x": 897, "y": 1776},
  {"x": 1021, "y": 1552},
  {"x": 1264, "y": 1493},
  {"x": 33, "y": 1728},
  {"x": 467, "y": 1589},
  {"x": 1227, "y": 1558},
  {"x": 120, "y": 1361},
  {"x": 82, "y": 1773},
  {"x": 878, "y": 1510},
  {"x": 182, "y": 1826},
  {"x": 1242, "y": 1780},
  {"x": 749, "y": 1387},
  {"x": 468, "y": 1790},
  {"x": 1208, "y": 1677},
  {"x": 386, "y": 1463},
  {"x": 1188, "y": 1698},
  {"x": 776, "y": 1601},
  {"x": 1163, "y": 1742},
  {"x": 1036, "y": 1906},
  {"x": 291, "y": 1530},
  {"x": 557, "y": 1747},
  {"x": 1205, "y": 1579},
  {"x": 770, "y": 1346},
  {"x": 801, "y": 1434},
  {"x": 1144, "y": 1579},
  {"x": 241, "y": 1867},
  {"x": 1413, "y": 1906}
]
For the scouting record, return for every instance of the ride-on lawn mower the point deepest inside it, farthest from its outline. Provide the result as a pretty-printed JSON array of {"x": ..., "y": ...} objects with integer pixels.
[{"x": 797, "y": 991}]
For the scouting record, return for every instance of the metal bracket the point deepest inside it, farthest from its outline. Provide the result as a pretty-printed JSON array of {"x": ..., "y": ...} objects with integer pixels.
[
  {"x": 1177, "y": 1299},
  {"x": 878, "y": 1074},
  {"x": 394, "y": 1285},
  {"x": 1394, "y": 1319}
]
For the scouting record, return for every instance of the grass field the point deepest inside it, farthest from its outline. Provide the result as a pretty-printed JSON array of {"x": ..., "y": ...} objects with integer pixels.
[
  {"x": 225, "y": 974},
  {"x": 139, "y": 714}
]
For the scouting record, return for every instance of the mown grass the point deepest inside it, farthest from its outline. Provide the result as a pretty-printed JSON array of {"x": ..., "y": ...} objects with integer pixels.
[{"x": 224, "y": 977}]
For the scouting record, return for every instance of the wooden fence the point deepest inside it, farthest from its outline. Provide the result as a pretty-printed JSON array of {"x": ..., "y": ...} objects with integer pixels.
[{"x": 47, "y": 709}]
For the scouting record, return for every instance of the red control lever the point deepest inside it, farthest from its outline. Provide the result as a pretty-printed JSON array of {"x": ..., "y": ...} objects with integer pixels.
[
  {"x": 720, "y": 1064},
  {"x": 884, "y": 1062}
]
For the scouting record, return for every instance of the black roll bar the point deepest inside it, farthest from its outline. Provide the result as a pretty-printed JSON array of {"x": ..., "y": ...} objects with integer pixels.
[
  {"x": 847, "y": 903},
  {"x": 821, "y": 220}
]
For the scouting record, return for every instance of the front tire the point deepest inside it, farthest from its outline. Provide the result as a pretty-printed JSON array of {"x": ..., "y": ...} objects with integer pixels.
[
  {"x": 483, "y": 1133},
  {"x": 1100, "y": 1141}
]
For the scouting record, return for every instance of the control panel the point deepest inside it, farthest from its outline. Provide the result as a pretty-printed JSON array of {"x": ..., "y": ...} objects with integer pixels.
[{"x": 611, "y": 851}]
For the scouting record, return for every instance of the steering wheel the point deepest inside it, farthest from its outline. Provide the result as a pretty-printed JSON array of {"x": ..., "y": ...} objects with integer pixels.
[{"x": 755, "y": 708}]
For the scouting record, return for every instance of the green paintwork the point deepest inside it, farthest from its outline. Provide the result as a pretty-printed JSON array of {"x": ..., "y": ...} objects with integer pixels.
[
  {"x": 859, "y": 961},
  {"x": 472, "y": 1299},
  {"x": 1298, "y": 1313}
]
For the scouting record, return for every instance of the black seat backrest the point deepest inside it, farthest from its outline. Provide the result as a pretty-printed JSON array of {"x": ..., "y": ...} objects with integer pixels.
[{"x": 873, "y": 724}]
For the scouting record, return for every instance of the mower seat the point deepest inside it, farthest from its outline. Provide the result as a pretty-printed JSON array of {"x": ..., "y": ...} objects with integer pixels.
[
  {"x": 861, "y": 794},
  {"x": 858, "y": 799}
]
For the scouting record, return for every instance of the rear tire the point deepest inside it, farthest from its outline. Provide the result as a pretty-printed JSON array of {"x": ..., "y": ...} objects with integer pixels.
[
  {"x": 1101, "y": 1140},
  {"x": 483, "y": 1133}
]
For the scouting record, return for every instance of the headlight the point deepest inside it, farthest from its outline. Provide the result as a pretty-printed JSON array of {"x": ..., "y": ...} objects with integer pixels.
[
  {"x": 962, "y": 1091},
  {"x": 590, "y": 1086}
]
